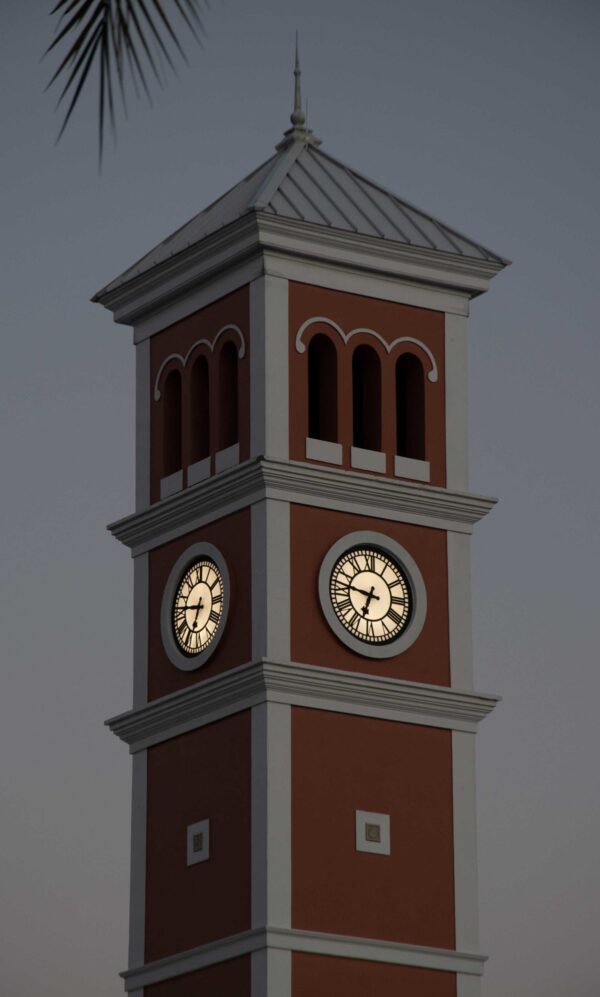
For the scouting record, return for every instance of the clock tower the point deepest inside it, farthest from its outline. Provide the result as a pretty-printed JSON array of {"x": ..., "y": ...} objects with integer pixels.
[{"x": 303, "y": 719}]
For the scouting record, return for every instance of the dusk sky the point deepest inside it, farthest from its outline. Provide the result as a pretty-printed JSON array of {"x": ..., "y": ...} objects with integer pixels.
[{"x": 485, "y": 114}]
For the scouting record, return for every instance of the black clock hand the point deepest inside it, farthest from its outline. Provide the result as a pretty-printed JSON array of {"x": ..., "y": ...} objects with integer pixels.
[
  {"x": 197, "y": 608},
  {"x": 370, "y": 594}
]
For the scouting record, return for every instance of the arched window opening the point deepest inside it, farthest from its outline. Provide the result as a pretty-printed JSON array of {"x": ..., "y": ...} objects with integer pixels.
[
  {"x": 228, "y": 396},
  {"x": 366, "y": 398},
  {"x": 322, "y": 389},
  {"x": 199, "y": 435},
  {"x": 172, "y": 423},
  {"x": 410, "y": 407}
]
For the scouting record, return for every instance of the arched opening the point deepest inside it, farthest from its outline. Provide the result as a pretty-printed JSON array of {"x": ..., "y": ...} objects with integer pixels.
[
  {"x": 322, "y": 389},
  {"x": 228, "y": 396},
  {"x": 172, "y": 423},
  {"x": 366, "y": 398},
  {"x": 199, "y": 416},
  {"x": 410, "y": 407}
]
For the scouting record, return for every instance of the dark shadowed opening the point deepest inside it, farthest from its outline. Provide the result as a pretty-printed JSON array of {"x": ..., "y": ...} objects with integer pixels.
[
  {"x": 200, "y": 411},
  {"x": 172, "y": 423},
  {"x": 228, "y": 396},
  {"x": 366, "y": 398},
  {"x": 322, "y": 389},
  {"x": 410, "y": 407}
]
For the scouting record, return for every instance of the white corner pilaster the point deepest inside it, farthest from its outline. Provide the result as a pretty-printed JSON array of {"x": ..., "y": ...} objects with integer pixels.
[
  {"x": 459, "y": 609},
  {"x": 271, "y": 973},
  {"x": 140, "y": 631},
  {"x": 466, "y": 897},
  {"x": 269, "y": 368},
  {"x": 271, "y": 843},
  {"x": 137, "y": 887},
  {"x": 457, "y": 438},
  {"x": 468, "y": 986},
  {"x": 271, "y": 580},
  {"x": 142, "y": 425}
]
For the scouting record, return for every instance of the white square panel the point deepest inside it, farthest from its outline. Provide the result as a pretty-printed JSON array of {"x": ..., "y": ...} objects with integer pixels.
[
  {"x": 198, "y": 842},
  {"x": 372, "y": 832}
]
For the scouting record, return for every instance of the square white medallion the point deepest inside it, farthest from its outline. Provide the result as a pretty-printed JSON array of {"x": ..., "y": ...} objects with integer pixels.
[
  {"x": 198, "y": 842},
  {"x": 372, "y": 832}
]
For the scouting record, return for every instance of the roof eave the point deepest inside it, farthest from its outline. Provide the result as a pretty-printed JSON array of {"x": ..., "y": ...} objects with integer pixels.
[{"x": 261, "y": 233}]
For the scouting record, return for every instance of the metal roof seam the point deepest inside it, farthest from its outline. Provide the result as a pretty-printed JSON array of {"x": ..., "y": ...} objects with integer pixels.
[
  {"x": 314, "y": 157},
  {"x": 322, "y": 190},
  {"x": 378, "y": 207},
  {"x": 294, "y": 183}
]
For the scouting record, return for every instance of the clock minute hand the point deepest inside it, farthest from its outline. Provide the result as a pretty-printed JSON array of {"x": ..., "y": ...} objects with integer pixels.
[
  {"x": 197, "y": 608},
  {"x": 370, "y": 595}
]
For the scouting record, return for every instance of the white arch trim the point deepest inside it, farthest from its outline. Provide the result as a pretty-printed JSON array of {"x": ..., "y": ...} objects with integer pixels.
[
  {"x": 199, "y": 342},
  {"x": 432, "y": 374}
]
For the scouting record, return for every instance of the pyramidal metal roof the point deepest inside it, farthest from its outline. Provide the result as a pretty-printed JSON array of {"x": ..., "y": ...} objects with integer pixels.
[{"x": 303, "y": 183}]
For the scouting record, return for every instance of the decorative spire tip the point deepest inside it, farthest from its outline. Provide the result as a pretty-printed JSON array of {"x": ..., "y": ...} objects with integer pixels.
[{"x": 297, "y": 117}]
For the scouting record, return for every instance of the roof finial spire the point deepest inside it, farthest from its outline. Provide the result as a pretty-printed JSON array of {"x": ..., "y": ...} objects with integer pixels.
[
  {"x": 299, "y": 132},
  {"x": 297, "y": 117}
]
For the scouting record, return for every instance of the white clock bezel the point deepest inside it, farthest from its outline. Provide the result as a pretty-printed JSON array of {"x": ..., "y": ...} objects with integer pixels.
[
  {"x": 417, "y": 590},
  {"x": 190, "y": 662}
]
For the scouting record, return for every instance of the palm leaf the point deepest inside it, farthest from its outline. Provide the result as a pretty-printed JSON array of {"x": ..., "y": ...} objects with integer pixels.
[{"x": 126, "y": 40}]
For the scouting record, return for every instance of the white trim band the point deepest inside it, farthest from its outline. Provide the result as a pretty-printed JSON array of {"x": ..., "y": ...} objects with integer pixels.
[
  {"x": 302, "y": 484},
  {"x": 313, "y": 942},
  {"x": 300, "y": 685}
]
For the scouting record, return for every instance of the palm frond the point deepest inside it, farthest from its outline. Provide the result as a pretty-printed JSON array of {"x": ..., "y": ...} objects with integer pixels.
[{"x": 126, "y": 40}]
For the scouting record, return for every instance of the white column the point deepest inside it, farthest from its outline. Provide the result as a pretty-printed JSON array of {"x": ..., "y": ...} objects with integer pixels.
[
  {"x": 140, "y": 631},
  {"x": 468, "y": 986},
  {"x": 271, "y": 580},
  {"x": 137, "y": 891},
  {"x": 269, "y": 368},
  {"x": 271, "y": 843},
  {"x": 459, "y": 609},
  {"x": 142, "y": 425},
  {"x": 457, "y": 441},
  {"x": 466, "y": 898}
]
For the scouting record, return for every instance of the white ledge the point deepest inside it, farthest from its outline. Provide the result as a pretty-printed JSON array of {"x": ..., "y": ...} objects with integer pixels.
[
  {"x": 323, "y": 450},
  {"x": 172, "y": 484},
  {"x": 311, "y": 686},
  {"x": 297, "y": 940},
  {"x": 303, "y": 484}
]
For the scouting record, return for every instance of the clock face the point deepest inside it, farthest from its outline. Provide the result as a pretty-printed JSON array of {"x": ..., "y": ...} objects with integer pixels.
[
  {"x": 370, "y": 595},
  {"x": 198, "y": 606}
]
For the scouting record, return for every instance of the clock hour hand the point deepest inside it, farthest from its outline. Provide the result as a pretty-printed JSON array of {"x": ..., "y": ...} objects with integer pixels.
[{"x": 370, "y": 595}]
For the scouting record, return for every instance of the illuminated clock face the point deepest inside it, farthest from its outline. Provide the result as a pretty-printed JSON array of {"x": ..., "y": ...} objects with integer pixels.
[
  {"x": 198, "y": 607},
  {"x": 370, "y": 595}
]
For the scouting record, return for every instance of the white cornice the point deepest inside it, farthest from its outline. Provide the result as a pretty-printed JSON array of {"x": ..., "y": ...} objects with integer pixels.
[
  {"x": 298, "y": 940},
  {"x": 304, "y": 484},
  {"x": 311, "y": 686},
  {"x": 271, "y": 241}
]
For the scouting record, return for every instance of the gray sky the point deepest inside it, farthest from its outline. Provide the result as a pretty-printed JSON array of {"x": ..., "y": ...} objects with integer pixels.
[{"x": 482, "y": 112}]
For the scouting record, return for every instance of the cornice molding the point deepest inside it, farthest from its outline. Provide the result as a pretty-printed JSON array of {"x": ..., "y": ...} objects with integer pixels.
[
  {"x": 304, "y": 484},
  {"x": 298, "y": 684},
  {"x": 298, "y": 940},
  {"x": 267, "y": 237}
]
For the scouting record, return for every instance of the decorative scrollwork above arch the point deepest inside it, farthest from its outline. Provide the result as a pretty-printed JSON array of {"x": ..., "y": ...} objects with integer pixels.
[
  {"x": 199, "y": 342},
  {"x": 432, "y": 374}
]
